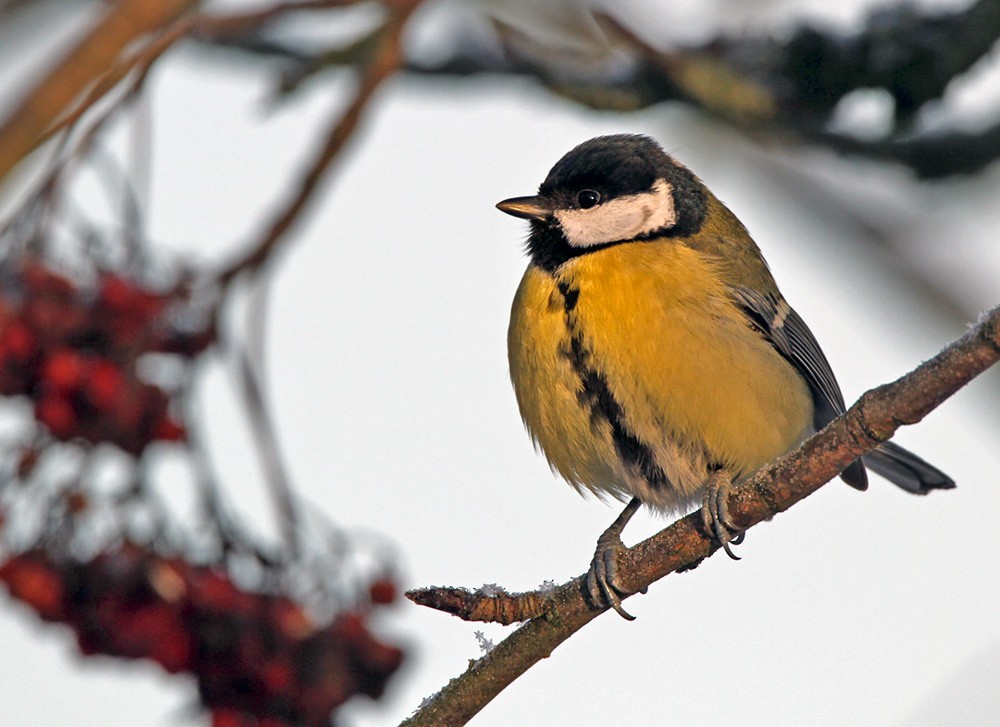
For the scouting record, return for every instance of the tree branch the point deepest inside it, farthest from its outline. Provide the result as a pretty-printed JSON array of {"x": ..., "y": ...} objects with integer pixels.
[
  {"x": 762, "y": 84},
  {"x": 773, "y": 489},
  {"x": 933, "y": 155},
  {"x": 386, "y": 58},
  {"x": 92, "y": 57}
]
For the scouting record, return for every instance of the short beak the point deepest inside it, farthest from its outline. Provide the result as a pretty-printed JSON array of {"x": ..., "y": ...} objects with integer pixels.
[{"x": 528, "y": 208}]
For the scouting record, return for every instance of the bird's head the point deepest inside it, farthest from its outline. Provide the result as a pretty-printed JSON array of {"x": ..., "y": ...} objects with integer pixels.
[{"x": 607, "y": 191}]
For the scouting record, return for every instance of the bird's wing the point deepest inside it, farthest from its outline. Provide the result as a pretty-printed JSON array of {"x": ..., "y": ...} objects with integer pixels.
[{"x": 785, "y": 330}]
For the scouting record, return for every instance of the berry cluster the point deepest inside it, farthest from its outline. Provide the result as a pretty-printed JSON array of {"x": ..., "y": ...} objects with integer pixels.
[
  {"x": 259, "y": 659},
  {"x": 74, "y": 351}
]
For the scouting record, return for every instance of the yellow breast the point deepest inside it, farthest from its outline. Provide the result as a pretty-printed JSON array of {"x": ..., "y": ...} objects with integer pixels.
[{"x": 632, "y": 361}]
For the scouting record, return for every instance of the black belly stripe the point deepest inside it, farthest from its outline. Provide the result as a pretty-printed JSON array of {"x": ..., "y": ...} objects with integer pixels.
[
  {"x": 570, "y": 296},
  {"x": 595, "y": 394}
]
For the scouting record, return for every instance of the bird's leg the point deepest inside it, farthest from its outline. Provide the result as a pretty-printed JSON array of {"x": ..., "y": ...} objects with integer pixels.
[
  {"x": 715, "y": 511},
  {"x": 602, "y": 579}
]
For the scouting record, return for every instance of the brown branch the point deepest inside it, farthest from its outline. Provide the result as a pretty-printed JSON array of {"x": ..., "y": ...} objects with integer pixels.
[
  {"x": 491, "y": 604},
  {"x": 92, "y": 57},
  {"x": 701, "y": 79},
  {"x": 139, "y": 62},
  {"x": 773, "y": 489},
  {"x": 100, "y": 63},
  {"x": 782, "y": 88}
]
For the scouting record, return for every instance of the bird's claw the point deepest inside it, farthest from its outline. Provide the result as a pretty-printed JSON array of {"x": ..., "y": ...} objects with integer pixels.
[
  {"x": 715, "y": 512},
  {"x": 602, "y": 586}
]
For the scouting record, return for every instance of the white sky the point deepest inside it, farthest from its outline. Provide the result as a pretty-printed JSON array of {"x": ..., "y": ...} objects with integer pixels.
[{"x": 387, "y": 369}]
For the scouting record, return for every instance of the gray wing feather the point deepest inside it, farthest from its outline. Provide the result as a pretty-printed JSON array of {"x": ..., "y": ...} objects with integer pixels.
[{"x": 785, "y": 330}]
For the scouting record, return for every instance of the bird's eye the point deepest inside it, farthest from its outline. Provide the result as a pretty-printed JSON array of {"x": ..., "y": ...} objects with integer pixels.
[{"x": 588, "y": 198}]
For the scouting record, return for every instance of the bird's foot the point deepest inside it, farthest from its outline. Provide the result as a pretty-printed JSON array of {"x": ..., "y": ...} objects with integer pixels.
[
  {"x": 602, "y": 585},
  {"x": 715, "y": 512}
]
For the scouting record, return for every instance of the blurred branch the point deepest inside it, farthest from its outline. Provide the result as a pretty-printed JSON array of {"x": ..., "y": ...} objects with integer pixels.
[
  {"x": 106, "y": 343},
  {"x": 912, "y": 55},
  {"x": 247, "y": 358},
  {"x": 762, "y": 85},
  {"x": 378, "y": 55},
  {"x": 773, "y": 489},
  {"x": 110, "y": 53},
  {"x": 386, "y": 59},
  {"x": 769, "y": 87},
  {"x": 93, "y": 56},
  {"x": 930, "y": 156}
]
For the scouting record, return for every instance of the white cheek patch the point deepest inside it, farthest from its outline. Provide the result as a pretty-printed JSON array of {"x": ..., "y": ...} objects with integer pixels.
[{"x": 620, "y": 219}]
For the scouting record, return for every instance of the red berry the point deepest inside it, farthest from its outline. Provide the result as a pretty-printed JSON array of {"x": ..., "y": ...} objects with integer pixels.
[
  {"x": 128, "y": 412},
  {"x": 214, "y": 591},
  {"x": 272, "y": 722},
  {"x": 155, "y": 632},
  {"x": 77, "y": 502},
  {"x": 168, "y": 577},
  {"x": 135, "y": 306},
  {"x": 278, "y": 677},
  {"x": 173, "y": 651},
  {"x": 115, "y": 292},
  {"x": 18, "y": 342},
  {"x": 56, "y": 413},
  {"x": 381, "y": 658},
  {"x": 350, "y": 626},
  {"x": 55, "y": 320},
  {"x": 228, "y": 718},
  {"x": 382, "y": 591},
  {"x": 291, "y": 619},
  {"x": 106, "y": 385},
  {"x": 36, "y": 584},
  {"x": 169, "y": 430},
  {"x": 149, "y": 305},
  {"x": 64, "y": 369},
  {"x": 40, "y": 279}
]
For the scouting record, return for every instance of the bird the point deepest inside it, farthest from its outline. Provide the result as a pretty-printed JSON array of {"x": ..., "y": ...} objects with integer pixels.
[{"x": 653, "y": 357}]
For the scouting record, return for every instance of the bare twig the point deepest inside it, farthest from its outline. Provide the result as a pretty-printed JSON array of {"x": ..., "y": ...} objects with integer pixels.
[
  {"x": 248, "y": 361},
  {"x": 99, "y": 61},
  {"x": 773, "y": 489},
  {"x": 386, "y": 59},
  {"x": 789, "y": 85},
  {"x": 490, "y": 604},
  {"x": 138, "y": 63}
]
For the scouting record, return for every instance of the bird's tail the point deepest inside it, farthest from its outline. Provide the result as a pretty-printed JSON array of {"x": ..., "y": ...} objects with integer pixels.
[{"x": 906, "y": 470}]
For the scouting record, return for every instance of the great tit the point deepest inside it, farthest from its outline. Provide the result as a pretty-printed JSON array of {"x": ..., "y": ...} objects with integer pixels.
[{"x": 653, "y": 357}]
